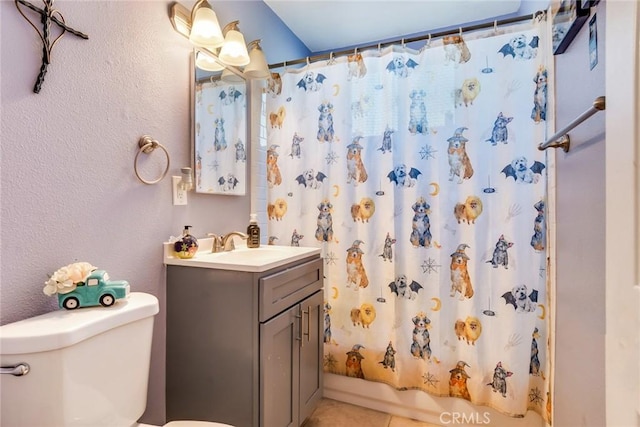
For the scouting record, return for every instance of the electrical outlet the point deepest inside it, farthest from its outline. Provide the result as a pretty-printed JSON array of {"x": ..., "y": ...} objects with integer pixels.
[{"x": 179, "y": 195}]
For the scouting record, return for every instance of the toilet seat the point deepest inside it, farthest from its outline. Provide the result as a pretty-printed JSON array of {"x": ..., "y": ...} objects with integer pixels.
[{"x": 195, "y": 424}]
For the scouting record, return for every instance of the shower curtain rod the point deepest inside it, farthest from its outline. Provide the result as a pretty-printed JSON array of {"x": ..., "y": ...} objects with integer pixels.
[{"x": 495, "y": 24}]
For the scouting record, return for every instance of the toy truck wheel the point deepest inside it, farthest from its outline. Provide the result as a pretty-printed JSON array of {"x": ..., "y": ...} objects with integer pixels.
[
  {"x": 107, "y": 300},
  {"x": 71, "y": 303}
]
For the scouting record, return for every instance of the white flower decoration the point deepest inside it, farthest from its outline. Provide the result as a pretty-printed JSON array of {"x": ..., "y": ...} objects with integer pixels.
[{"x": 67, "y": 278}]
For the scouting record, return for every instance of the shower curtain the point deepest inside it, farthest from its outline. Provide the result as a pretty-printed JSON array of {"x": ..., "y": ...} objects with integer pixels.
[{"x": 417, "y": 173}]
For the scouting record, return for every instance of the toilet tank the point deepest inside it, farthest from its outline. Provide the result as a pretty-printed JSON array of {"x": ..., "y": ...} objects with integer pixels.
[{"x": 88, "y": 367}]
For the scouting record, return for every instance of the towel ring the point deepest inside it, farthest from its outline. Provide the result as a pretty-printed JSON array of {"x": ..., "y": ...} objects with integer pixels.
[{"x": 147, "y": 145}]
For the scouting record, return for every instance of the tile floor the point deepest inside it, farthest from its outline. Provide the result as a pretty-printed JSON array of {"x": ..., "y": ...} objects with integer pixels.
[{"x": 331, "y": 413}]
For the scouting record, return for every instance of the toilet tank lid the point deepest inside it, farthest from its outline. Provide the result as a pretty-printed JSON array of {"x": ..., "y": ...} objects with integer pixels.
[{"x": 63, "y": 328}]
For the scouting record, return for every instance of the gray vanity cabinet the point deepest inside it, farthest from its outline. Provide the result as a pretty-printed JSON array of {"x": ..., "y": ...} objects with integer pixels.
[{"x": 244, "y": 348}]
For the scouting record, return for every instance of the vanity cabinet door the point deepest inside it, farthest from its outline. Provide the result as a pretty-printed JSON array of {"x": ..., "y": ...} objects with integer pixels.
[
  {"x": 279, "y": 369},
  {"x": 311, "y": 352},
  {"x": 291, "y": 364}
]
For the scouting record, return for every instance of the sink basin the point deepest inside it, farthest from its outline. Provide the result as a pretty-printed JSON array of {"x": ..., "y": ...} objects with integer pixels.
[
  {"x": 241, "y": 258},
  {"x": 250, "y": 255}
]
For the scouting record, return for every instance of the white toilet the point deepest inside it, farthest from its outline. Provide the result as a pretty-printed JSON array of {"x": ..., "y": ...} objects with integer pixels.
[{"x": 87, "y": 367}]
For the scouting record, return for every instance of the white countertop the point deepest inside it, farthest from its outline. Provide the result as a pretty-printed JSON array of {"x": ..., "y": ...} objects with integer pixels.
[{"x": 242, "y": 258}]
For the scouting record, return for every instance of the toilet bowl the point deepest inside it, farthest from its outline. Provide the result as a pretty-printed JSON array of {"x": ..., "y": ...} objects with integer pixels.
[{"x": 84, "y": 367}]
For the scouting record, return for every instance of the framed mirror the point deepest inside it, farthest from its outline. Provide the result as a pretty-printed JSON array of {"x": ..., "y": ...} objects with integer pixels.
[{"x": 219, "y": 132}]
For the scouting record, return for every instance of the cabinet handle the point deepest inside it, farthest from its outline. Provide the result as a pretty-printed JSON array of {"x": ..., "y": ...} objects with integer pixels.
[
  {"x": 308, "y": 313},
  {"x": 299, "y": 338}
]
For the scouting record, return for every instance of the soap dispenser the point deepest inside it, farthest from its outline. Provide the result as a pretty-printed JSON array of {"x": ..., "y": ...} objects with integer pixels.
[
  {"x": 253, "y": 232},
  {"x": 186, "y": 246}
]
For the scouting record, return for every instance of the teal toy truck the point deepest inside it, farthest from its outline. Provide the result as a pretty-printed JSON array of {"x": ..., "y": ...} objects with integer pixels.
[{"x": 96, "y": 290}]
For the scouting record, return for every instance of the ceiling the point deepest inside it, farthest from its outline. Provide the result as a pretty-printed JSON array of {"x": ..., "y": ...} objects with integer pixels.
[{"x": 324, "y": 25}]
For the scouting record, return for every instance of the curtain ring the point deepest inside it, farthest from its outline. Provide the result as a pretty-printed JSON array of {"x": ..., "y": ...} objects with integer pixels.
[
  {"x": 308, "y": 62},
  {"x": 460, "y": 31},
  {"x": 495, "y": 27},
  {"x": 147, "y": 145},
  {"x": 427, "y": 44}
]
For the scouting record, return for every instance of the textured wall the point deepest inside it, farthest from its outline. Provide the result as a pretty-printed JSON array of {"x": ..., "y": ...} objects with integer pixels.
[
  {"x": 580, "y": 233},
  {"x": 68, "y": 191}
]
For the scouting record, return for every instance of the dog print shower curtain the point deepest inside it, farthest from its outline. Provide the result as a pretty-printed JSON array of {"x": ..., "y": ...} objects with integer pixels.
[{"x": 417, "y": 173}]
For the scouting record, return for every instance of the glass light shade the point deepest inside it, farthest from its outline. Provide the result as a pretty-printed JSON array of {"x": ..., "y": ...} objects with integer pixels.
[
  {"x": 258, "y": 67},
  {"x": 234, "y": 50},
  {"x": 231, "y": 77},
  {"x": 207, "y": 63},
  {"x": 205, "y": 29}
]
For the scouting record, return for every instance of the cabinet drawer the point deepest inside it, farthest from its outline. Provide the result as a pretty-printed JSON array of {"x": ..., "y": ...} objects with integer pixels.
[{"x": 281, "y": 290}]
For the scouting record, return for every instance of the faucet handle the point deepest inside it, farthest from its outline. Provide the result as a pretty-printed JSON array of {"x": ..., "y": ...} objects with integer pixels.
[
  {"x": 217, "y": 242},
  {"x": 230, "y": 245}
]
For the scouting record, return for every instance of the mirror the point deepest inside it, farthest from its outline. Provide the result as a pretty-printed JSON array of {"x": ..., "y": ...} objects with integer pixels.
[{"x": 219, "y": 132}]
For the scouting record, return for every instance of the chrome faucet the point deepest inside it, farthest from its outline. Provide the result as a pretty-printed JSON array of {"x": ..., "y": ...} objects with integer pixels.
[{"x": 225, "y": 243}]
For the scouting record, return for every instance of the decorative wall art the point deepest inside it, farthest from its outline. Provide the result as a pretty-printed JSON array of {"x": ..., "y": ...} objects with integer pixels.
[
  {"x": 585, "y": 4},
  {"x": 567, "y": 21},
  {"x": 47, "y": 15},
  {"x": 593, "y": 42}
]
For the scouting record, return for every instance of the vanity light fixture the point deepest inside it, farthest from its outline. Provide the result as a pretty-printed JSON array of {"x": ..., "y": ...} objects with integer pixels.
[
  {"x": 217, "y": 48},
  {"x": 205, "y": 29},
  {"x": 234, "y": 50},
  {"x": 258, "y": 67}
]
